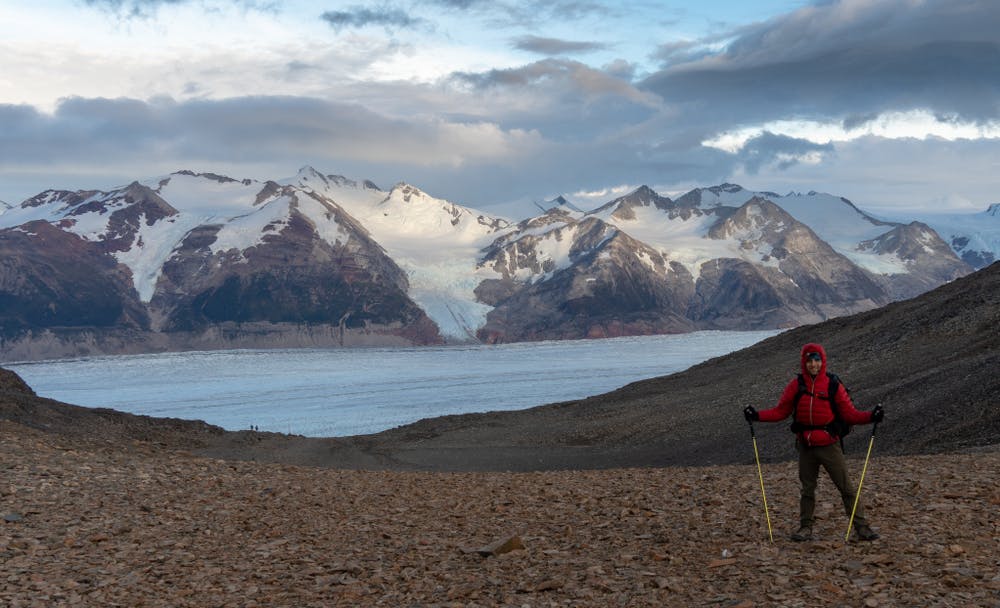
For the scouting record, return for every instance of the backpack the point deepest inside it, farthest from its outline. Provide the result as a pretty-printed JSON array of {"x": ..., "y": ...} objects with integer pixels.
[{"x": 838, "y": 426}]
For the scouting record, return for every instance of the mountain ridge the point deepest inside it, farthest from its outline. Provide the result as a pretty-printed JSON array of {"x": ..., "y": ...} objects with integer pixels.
[{"x": 449, "y": 284}]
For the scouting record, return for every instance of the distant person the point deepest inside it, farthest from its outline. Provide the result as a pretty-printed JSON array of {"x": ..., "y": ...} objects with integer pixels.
[{"x": 807, "y": 399}]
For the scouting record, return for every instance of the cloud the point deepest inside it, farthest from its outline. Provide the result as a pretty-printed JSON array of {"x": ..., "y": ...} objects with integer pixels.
[
  {"x": 560, "y": 77},
  {"x": 274, "y": 130},
  {"x": 838, "y": 60},
  {"x": 118, "y": 5},
  {"x": 780, "y": 152},
  {"x": 133, "y": 8},
  {"x": 574, "y": 9},
  {"x": 460, "y": 4},
  {"x": 148, "y": 8},
  {"x": 535, "y": 14},
  {"x": 896, "y": 177},
  {"x": 472, "y": 160},
  {"x": 359, "y": 17},
  {"x": 555, "y": 46},
  {"x": 788, "y": 98}
]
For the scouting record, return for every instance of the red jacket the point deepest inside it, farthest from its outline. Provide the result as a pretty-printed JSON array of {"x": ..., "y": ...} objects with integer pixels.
[{"x": 814, "y": 409}]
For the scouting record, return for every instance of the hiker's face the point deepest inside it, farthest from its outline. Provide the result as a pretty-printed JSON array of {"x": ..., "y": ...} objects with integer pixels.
[{"x": 813, "y": 366}]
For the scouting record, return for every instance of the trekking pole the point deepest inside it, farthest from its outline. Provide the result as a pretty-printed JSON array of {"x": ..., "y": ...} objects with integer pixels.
[
  {"x": 760, "y": 474},
  {"x": 857, "y": 495}
]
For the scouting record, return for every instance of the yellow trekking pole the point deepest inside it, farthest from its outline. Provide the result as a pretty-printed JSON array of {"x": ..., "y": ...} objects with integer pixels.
[
  {"x": 760, "y": 474},
  {"x": 857, "y": 495}
]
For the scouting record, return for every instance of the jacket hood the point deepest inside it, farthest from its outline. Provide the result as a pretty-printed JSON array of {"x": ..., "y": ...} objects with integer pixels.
[{"x": 812, "y": 348}]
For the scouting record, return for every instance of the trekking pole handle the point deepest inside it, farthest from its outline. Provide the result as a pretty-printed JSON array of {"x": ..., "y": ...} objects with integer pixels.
[{"x": 875, "y": 424}]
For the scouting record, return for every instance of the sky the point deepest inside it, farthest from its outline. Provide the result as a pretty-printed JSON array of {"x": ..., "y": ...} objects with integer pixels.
[{"x": 893, "y": 104}]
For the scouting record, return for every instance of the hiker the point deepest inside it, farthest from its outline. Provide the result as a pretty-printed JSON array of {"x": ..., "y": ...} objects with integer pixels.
[{"x": 818, "y": 438}]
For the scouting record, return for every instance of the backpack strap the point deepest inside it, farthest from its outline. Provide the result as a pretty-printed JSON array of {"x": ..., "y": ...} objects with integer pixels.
[{"x": 834, "y": 387}]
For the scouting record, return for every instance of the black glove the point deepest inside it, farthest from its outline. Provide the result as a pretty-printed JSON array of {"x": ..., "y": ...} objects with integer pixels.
[
  {"x": 878, "y": 414},
  {"x": 750, "y": 414}
]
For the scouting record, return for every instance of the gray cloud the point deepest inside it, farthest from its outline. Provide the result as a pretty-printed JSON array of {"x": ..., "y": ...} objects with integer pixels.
[
  {"x": 132, "y": 4},
  {"x": 466, "y": 160},
  {"x": 566, "y": 101},
  {"x": 839, "y": 60},
  {"x": 133, "y": 8},
  {"x": 680, "y": 51},
  {"x": 91, "y": 135},
  {"x": 359, "y": 17},
  {"x": 558, "y": 75},
  {"x": 537, "y": 14},
  {"x": 778, "y": 151},
  {"x": 555, "y": 46},
  {"x": 148, "y": 8},
  {"x": 575, "y": 9},
  {"x": 460, "y": 4}
]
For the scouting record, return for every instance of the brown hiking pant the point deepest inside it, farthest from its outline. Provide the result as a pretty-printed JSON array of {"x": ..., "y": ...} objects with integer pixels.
[{"x": 831, "y": 458}]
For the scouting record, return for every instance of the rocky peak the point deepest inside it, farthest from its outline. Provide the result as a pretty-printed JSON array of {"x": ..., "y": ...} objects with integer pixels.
[
  {"x": 215, "y": 177},
  {"x": 558, "y": 205},
  {"x": 756, "y": 220},
  {"x": 592, "y": 235},
  {"x": 624, "y": 207},
  {"x": 909, "y": 241},
  {"x": 696, "y": 198},
  {"x": 311, "y": 178},
  {"x": 132, "y": 207},
  {"x": 70, "y": 199},
  {"x": 993, "y": 210},
  {"x": 690, "y": 199},
  {"x": 270, "y": 190},
  {"x": 406, "y": 192}
]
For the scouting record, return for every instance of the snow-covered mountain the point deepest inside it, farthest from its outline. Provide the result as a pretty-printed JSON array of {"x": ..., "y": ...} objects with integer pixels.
[
  {"x": 198, "y": 260},
  {"x": 435, "y": 241},
  {"x": 208, "y": 262},
  {"x": 908, "y": 258},
  {"x": 975, "y": 237},
  {"x": 720, "y": 257}
]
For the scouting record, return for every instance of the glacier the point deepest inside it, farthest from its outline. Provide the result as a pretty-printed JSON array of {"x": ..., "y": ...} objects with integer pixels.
[{"x": 338, "y": 392}]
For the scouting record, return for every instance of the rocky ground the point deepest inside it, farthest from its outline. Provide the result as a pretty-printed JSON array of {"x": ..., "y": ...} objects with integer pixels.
[
  {"x": 599, "y": 505},
  {"x": 142, "y": 523}
]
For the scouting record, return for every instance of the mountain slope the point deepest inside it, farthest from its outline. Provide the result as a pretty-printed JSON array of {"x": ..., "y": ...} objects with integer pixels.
[
  {"x": 436, "y": 242},
  {"x": 586, "y": 279},
  {"x": 50, "y": 277}
]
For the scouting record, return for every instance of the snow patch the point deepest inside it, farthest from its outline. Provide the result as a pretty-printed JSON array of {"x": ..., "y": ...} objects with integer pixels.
[
  {"x": 154, "y": 245},
  {"x": 246, "y": 231}
]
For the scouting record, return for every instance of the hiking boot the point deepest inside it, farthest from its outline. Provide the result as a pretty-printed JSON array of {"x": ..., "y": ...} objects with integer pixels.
[
  {"x": 866, "y": 533},
  {"x": 802, "y": 534}
]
